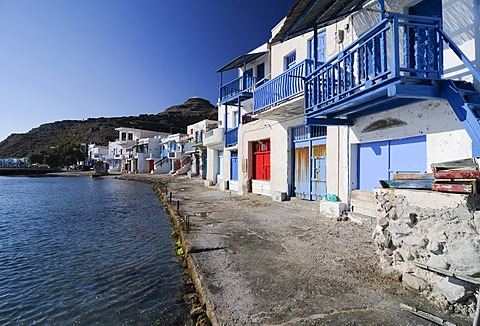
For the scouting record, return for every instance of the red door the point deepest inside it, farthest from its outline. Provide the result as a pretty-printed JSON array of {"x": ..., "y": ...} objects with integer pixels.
[{"x": 261, "y": 157}]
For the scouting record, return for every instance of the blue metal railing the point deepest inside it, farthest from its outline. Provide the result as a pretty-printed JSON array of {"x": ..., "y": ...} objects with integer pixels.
[
  {"x": 281, "y": 88},
  {"x": 241, "y": 84},
  {"x": 308, "y": 132},
  {"x": 400, "y": 45},
  {"x": 231, "y": 137}
]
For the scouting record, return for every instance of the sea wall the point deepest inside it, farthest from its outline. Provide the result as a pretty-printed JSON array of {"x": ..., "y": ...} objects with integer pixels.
[{"x": 440, "y": 230}]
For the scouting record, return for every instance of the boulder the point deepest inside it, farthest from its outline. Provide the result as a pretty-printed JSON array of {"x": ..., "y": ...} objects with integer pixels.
[
  {"x": 452, "y": 290},
  {"x": 464, "y": 256}
]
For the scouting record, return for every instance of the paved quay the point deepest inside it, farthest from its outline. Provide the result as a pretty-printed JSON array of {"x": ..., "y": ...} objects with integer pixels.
[{"x": 258, "y": 262}]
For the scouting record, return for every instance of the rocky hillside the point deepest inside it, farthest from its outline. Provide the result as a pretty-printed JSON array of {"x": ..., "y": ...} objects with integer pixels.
[{"x": 102, "y": 130}]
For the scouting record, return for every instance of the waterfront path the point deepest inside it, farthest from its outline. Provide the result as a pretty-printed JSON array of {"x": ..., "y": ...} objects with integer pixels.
[{"x": 260, "y": 262}]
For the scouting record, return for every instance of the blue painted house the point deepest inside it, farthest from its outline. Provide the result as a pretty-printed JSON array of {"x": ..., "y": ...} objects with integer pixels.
[
  {"x": 397, "y": 90},
  {"x": 352, "y": 92}
]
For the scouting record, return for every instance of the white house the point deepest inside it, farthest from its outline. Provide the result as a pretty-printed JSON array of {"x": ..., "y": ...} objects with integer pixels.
[
  {"x": 97, "y": 153},
  {"x": 120, "y": 152},
  {"x": 196, "y": 148}
]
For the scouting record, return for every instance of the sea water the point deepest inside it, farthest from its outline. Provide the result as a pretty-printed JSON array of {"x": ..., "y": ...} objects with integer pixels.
[{"x": 77, "y": 250}]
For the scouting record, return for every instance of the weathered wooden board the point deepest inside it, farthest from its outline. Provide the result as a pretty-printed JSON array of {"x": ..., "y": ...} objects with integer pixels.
[
  {"x": 457, "y": 174},
  {"x": 463, "y": 188},
  {"x": 413, "y": 176},
  {"x": 465, "y": 164},
  {"x": 407, "y": 184}
]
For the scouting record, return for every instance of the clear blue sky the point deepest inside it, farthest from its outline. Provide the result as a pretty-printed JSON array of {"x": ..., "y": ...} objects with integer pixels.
[{"x": 72, "y": 59}]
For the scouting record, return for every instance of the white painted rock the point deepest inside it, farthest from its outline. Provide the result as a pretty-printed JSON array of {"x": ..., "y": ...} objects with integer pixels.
[
  {"x": 464, "y": 256},
  {"x": 452, "y": 292}
]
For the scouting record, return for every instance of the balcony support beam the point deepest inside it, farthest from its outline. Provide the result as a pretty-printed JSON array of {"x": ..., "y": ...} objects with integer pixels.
[{"x": 328, "y": 122}]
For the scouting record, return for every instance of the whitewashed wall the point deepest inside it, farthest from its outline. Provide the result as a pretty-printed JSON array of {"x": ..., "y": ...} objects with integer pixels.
[
  {"x": 446, "y": 139},
  {"x": 280, "y": 152}
]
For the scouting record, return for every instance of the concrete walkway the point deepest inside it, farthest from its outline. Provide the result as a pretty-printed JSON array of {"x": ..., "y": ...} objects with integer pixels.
[{"x": 264, "y": 263}]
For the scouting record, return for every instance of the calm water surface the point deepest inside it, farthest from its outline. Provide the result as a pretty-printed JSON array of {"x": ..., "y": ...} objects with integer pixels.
[{"x": 86, "y": 251}]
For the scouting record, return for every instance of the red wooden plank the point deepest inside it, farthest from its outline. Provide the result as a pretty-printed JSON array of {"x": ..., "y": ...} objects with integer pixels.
[
  {"x": 457, "y": 174},
  {"x": 453, "y": 187}
]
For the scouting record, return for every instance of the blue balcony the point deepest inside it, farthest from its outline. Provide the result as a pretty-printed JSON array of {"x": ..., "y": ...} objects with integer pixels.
[
  {"x": 240, "y": 88},
  {"x": 398, "y": 61},
  {"x": 231, "y": 137},
  {"x": 281, "y": 88}
]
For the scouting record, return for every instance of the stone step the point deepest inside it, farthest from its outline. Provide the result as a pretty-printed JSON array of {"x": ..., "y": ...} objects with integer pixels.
[
  {"x": 363, "y": 195},
  {"x": 363, "y": 207},
  {"x": 362, "y": 219}
]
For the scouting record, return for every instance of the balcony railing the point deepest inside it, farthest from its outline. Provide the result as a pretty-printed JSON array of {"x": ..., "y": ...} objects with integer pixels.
[
  {"x": 399, "y": 46},
  {"x": 237, "y": 86},
  {"x": 282, "y": 87},
  {"x": 231, "y": 137},
  {"x": 214, "y": 137},
  {"x": 188, "y": 147}
]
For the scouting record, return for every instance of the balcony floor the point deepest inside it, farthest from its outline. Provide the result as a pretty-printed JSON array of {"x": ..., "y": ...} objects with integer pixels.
[
  {"x": 286, "y": 110},
  {"x": 387, "y": 95},
  {"x": 233, "y": 100}
]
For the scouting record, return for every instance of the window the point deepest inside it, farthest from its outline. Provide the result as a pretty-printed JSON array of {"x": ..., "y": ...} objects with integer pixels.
[
  {"x": 290, "y": 60},
  {"x": 235, "y": 119},
  {"x": 322, "y": 46},
  {"x": 130, "y": 136},
  {"x": 260, "y": 71},
  {"x": 124, "y": 136}
]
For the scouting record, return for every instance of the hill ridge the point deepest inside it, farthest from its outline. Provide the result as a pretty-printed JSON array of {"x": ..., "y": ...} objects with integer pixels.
[{"x": 101, "y": 130}]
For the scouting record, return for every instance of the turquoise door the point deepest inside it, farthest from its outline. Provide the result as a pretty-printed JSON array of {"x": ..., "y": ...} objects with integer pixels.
[{"x": 234, "y": 165}]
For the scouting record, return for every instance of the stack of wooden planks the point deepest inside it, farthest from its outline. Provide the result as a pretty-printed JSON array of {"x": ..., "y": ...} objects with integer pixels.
[
  {"x": 460, "y": 176},
  {"x": 456, "y": 176},
  {"x": 409, "y": 181}
]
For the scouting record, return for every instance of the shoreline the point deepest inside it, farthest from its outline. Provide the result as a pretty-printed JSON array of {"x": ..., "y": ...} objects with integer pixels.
[
  {"x": 196, "y": 300},
  {"x": 198, "y": 311},
  {"x": 254, "y": 261}
]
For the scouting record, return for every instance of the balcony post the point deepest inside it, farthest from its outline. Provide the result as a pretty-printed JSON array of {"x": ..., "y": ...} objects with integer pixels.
[
  {"x": 244, "y": 79},
  {"x": 395, "y": 46},
  {"x": 315, "y": 62},
  {"x": 381, "y": 7},
  {"x": 226, "y": 124},
  {"x": 239, "y": 116},
  {"x": 221, "y": 84}
]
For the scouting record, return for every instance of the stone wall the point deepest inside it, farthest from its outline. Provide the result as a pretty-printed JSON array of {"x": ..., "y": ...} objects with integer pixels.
[{"x": 437, "y": 229}]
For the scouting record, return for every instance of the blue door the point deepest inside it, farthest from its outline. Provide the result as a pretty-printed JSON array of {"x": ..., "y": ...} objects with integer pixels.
[
  {"x": 319, "y": 171},
  {"x": 310, "y": 172},
  {"x": 302, "y": 173},
  {"x": 234, "y": 165},
  {"x": 380, "y": 160}
]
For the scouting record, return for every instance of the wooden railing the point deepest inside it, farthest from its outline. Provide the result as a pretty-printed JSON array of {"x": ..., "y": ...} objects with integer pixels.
[
  {"x": 281, "y": 88},
  {"x": 400, "y": 45}
]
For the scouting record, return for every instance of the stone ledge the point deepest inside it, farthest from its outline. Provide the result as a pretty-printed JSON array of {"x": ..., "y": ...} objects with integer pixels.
[{"x": 332, "y": 209}]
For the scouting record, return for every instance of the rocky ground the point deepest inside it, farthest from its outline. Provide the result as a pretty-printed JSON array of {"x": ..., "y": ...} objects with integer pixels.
[{"x": 260, "y": 262}]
